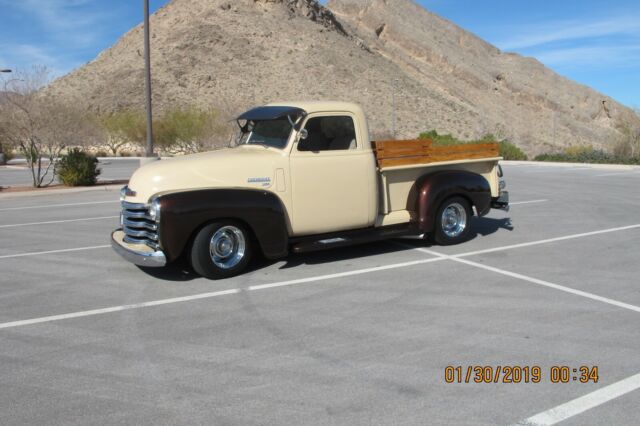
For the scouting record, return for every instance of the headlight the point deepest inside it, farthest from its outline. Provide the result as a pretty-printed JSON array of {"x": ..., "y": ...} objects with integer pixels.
[
  {"x": 154, "y": 209},
  {"x": 502, "y": 185}
]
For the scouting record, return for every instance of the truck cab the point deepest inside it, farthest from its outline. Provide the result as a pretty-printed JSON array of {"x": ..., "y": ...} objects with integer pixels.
[{"x": 304, "y": 176}]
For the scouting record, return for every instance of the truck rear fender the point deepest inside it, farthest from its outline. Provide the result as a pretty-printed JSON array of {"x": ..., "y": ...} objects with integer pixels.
[
  {"x": 183, "y": 213},
  {"x": 434, "y": 188}
]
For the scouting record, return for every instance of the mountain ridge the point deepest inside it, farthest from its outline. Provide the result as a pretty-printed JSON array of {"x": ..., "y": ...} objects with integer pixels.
[{"x": 234, "y": 55}]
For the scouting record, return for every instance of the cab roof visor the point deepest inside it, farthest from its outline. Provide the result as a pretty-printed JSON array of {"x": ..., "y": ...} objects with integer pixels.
[{"x": 272, "y": 113}]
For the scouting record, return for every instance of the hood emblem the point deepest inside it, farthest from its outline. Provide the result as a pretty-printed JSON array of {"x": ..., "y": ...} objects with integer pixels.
[{"x": 264, "y": 181}]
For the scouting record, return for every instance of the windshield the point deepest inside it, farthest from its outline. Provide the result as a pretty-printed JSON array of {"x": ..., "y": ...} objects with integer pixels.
[{"x": 272, "y": 133}]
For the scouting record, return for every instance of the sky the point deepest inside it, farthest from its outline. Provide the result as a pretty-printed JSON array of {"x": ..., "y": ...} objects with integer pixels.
[{"x": 594, "y": 42}]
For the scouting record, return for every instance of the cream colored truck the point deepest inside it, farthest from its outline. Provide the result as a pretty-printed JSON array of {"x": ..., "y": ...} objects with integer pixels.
[{"x": 304, "y": 176}]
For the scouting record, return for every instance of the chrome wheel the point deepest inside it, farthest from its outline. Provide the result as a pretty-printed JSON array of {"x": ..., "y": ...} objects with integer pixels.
[
  {"x": 454, "y": 220},
  {"x": 227, "y": 247}
]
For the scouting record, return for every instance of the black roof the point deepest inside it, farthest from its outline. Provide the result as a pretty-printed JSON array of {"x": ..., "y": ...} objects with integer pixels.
[{"x": 271, "y": 113}]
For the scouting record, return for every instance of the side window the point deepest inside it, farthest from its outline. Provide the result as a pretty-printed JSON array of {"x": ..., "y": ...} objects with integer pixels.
[{"x": 329, "y": 134}]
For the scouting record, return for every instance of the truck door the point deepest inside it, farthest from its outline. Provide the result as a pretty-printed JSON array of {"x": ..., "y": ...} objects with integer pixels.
[{"x": 331, "y": 177}]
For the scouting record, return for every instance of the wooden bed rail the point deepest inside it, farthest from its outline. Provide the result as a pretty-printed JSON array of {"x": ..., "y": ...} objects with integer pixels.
[{"x": 422, "y": 151}]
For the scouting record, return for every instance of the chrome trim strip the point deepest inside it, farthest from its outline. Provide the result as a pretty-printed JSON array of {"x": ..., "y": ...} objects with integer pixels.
[
  {"x": 134, "y": 206},
  {"x": 139, "y": 233},
  {"x": 138, "y": 224},
  {"x": 137, "y": 214}
]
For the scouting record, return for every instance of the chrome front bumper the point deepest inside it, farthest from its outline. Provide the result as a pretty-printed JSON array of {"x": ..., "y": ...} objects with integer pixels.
[{"x": 138, "y": 254}]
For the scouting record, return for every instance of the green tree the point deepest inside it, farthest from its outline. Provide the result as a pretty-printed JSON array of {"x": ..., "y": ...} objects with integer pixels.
[
  {"x": 123, "y": 127},
  {"x": 189, "y": 130}
]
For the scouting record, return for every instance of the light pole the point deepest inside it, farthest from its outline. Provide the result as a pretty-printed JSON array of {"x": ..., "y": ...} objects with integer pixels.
[
  {"x": 147, "y": 83},
  {"x": 3, "y": 160}
]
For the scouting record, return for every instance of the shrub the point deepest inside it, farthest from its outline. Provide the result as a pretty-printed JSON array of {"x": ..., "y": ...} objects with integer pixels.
[
  {"x": 441, "y": 140},
  {"x": 123, "y": 127},
  {"x": 587, "y": 154},
  {"x": 77, "y": 168},
  {"x": 509, "y": 151},
  {"x": 7, "y": 151},
  {"x": 189, "y": 130}
]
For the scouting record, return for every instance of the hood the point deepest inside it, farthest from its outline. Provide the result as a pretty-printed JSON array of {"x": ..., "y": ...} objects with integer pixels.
[{"x": 241, "y": 167}]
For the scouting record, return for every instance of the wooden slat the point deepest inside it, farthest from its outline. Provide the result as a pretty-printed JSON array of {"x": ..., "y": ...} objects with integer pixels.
[
  {"x": 402, "y": 153},
  {"x": 396, "y": 149}
]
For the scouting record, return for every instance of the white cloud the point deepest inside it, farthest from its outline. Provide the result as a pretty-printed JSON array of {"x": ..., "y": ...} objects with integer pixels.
[
  {"x": 559, "y": 31},
  {"x": 64, "y": 32},
  {"x": 593, "y": 56},
  {"x": 77, "y": 23},
  {"x": 35, "y": 55}
]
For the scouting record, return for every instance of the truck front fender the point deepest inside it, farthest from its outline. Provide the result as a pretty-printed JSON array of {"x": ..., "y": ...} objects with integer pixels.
[
  {"x": 183, "y": 213},
  {"x": 434, "y": 188}
]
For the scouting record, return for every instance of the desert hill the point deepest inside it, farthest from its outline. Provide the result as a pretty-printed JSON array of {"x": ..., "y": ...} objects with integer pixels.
[{"x": 236, "y": 54}]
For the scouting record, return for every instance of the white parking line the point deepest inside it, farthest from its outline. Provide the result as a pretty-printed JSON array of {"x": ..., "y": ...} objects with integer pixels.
[
  {"x": 440, "y": 257},
  {"x": 527, "y": 202},
  {"x": 38, "y": 253},
  {"x": 632, "y": 172},
  {"x": 200, "y": 296},
  {"x": 570, "y": 290},
  {"x": 584, "y": 403},
  {"x": 58, "y": 205},
  {"x": 549, "y": 240},
  {"x": 116, "y": 309},
  {"x": 15, "y": 225}
]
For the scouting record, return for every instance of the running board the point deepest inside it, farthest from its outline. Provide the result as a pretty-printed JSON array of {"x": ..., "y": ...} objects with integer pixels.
[{"x": 349, "y": 238}]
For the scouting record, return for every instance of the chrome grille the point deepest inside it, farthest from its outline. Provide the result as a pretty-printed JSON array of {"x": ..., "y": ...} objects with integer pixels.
[{"x": 138, "y": 226}]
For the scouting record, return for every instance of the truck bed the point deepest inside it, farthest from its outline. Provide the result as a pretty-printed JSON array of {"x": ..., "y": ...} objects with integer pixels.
[{"x": 401, "y": 162}]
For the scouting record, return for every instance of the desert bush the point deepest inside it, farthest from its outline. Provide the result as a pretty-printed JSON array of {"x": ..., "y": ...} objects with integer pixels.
[
  {"x": 77, "y": 168},
  {"x": 587, "y": 154},
  {"x": 7, "y": 150},
  {"x": 101, "y": 153},
  {"x": 509, "y": 151},
  {"x": 442, "y": 140},
  {"x": 123, "y": 127},
  {"x": 189, "y": 130}
]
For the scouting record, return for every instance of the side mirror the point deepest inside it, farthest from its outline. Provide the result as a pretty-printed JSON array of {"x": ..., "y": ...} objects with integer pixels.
[{"x": 304, "y": 134}]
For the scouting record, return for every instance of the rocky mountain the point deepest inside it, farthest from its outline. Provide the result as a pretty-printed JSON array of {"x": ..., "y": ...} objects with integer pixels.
[{"x": 234, "y": 54}]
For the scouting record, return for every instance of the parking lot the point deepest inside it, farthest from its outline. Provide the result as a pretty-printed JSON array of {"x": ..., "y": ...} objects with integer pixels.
[{"x": 360, "y": 335}]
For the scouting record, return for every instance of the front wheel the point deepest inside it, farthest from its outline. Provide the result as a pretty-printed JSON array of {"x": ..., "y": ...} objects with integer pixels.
[
  {"x": 453, "y": 221},
  {"x": 221, "y": 250}
]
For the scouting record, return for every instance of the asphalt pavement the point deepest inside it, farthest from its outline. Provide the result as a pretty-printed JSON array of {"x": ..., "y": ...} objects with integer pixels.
[{"x": 360, "y": 335}]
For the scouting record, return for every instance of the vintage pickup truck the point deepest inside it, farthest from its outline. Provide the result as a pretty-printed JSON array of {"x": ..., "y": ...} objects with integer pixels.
[{"x": 304, "y": 176}]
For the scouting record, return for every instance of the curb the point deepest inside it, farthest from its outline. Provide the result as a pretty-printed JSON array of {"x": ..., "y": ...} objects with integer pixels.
[
  {"x": 106, "y": 188},
  {"x": 554, "y": 164},
  {"x": 23, "y": 161}
]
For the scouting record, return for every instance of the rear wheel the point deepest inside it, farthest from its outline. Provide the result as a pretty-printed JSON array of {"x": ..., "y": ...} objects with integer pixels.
[
  {"x": 453, "y": 221},
  {"x": 221, "y": 250}
]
